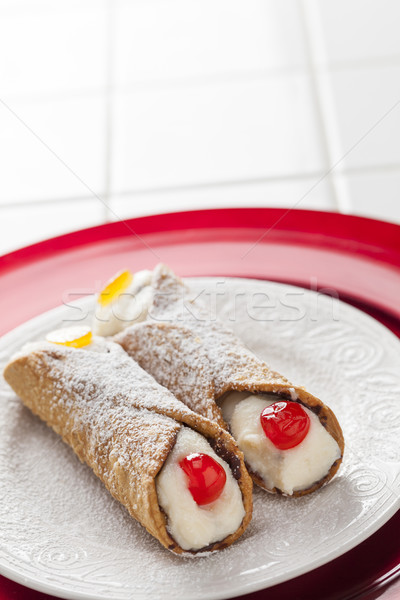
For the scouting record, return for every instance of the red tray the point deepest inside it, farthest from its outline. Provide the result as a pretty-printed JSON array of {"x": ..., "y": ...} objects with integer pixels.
[{"x": 358, "y": 258}]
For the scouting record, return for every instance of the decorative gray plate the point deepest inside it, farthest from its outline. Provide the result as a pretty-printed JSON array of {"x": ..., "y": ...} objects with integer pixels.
[{"x": 62, "y": 533}]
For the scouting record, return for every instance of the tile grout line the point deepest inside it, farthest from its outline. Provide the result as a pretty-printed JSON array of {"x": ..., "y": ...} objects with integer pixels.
[
  {"x": 223, "y": 77},
  {"x": 109, "y": 101},
  {"x": 340, "y": 199},
  {"x": 181, "y": 188},
  {"x": 211, "y": 185}
]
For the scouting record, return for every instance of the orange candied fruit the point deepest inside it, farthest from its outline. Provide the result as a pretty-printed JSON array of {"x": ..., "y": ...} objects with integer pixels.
[
  {"x": 115, "y": 287},
  {"x": 73, "y": 337}
]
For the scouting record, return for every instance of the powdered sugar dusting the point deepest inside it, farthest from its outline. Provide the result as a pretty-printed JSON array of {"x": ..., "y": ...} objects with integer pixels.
[
  {"x": 231, "y": 362},
  {"x": 231, "y": 365},
  {"x": 62, "y": 530},
  {"x": 175, "y": 356},
  {"x": 123, "y": 382},
  {"x": 120, "y": 421}
]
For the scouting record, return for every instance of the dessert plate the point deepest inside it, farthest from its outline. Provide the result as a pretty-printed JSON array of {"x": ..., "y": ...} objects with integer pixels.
[{"x": 64, "y": 534}]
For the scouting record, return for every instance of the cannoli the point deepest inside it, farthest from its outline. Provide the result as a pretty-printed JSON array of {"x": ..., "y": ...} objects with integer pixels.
[
  {"x": 179, "y": 474},
  {"x": 292, "y": 442}
]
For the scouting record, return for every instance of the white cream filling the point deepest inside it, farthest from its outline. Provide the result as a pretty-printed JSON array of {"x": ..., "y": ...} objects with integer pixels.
[
  {"x": 289, "y": 470},
  {"x": 129, "y": 307},
  {"x": 193, "y": 526}
]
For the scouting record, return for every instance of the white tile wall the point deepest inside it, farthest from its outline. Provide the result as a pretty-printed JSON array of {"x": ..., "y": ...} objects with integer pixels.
[
  {"x": 34, "y": 222},
  {"x": 159, "y": 105},
  {"x": 158, "y": 40},
  {"x": 360, "y": 30},
  {"x": 49, "y": 48},
  {"x": 309, "y": 193},
  {"x": 49, "y": 148},
  {"x": 356, "y": 63},
  {"x": 219, "y": 132},
  {"x": 374, "y": 193},
  {"x": 366, "y": 116}
]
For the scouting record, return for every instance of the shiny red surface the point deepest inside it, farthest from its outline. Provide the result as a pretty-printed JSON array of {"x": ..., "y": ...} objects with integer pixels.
[
  {"x": 286, "y": 424},
  {"x": 205, "y": 477},
  {"x": 356, "y": 258},
  {"x": 359, "y": 258}
]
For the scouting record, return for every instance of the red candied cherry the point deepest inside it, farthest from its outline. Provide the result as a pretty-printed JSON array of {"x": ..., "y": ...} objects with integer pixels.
[
  {"x": 286, "y": 424},
  {"x": 206, "y": 477}
]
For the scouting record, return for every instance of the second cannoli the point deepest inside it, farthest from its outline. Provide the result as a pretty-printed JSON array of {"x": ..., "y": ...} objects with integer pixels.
[{"x": 291, "y": 440}]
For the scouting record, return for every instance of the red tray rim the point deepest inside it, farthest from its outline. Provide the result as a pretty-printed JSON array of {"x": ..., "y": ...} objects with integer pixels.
[{"x": 325, "y": 224}]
